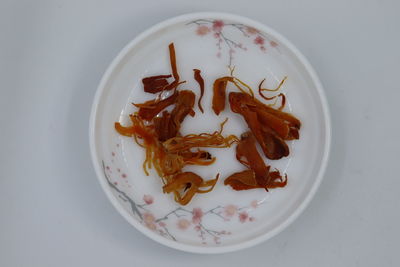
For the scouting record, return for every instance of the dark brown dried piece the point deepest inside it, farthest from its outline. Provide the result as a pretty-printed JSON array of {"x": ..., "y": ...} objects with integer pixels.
[
  {"x": 258, "y": 174},
  {"x": 200, "y": 81},
  {"x": 149, "y": 109},
  {"x": 246, "y": 152},
  {"x": 219, "y": 88},
  {"x": 168, "y": 125},
  {"x": 272, "y": 145},
  {"x": 155, "y": 84},
  {"x": 190, "y": 183}
]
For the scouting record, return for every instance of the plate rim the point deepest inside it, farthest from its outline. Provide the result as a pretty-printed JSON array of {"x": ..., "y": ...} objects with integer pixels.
[{"x": 224, "y": 248}]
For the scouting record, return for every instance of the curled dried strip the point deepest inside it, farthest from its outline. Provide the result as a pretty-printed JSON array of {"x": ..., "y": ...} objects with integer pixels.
[
  {"x": 167, "y": 126},
  {"x": 149, "y": 109},
  {"x": 187, "y": 142},
  {"x": 243, "y": 180},
  {"x": 219, "y": 91},
  {"x": 172, "y": 59},
  {"x": 155, "y": 84},
  {"x": 190, "y": 183},
  {"x": 239, "y": 83},
  {"x": 200, "y": 81},
  {"x": 144, "y": 132},
  {"x": 219, "y": 94},
  {"x": 199, "y": 161},
  {"x": 238, "y": 100},
  {"x": 246, "y": 149},
  {"x": 275, "y": 123},
  {"x": 272, "y": 145},
  {"x": 258, "y": 174},
  {"x": 281, "y": 95},
  {"x": 260, "y": 89}
]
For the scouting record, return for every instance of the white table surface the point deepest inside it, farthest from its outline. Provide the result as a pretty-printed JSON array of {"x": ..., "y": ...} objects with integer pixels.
[{"x": 52, "y": 209}]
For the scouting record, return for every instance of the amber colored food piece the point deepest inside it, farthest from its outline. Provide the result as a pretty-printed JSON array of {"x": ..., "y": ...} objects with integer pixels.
[
  {"x": 155, "y": 84},
  {"x": 293, "y": 134},
  {"x": 258, "y": 174},
  {"x": 246, "y": 150},
  {"x": 145, "y": 133},
  {"x": 200, "y": 154},
  {"x": 138, "y": 128},
  {"x": 219, "y": 91},
  {"x": 272, "y": 145},
  {"x": 149, "y": 109},
  {"x": 243, "y": 180},
  {"x": 284, "y": 125},
  {"x": 182, "y": 181},
  {"x": 241, "y": 99},
  {"x": 283, "y": 97},
  {"x": 167, "y": 126},
  {"x": 187, "y": 142},
  {"x": 172, "y": 59},
  {"x": 190, "y": 183},
  {"x": 200, "y": 157},
  {"x": 183, "y": 106},
  {"x": 200, "y": 81},
  {"x": 278, "y": 125},
  {"x": 163, "y": 127},
  {"x": 169, "y": 152},
  {"x": 219, "y": 94}
]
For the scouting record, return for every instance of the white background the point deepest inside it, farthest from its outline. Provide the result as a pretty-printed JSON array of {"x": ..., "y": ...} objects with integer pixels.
[{"x": 52, "y": 209}]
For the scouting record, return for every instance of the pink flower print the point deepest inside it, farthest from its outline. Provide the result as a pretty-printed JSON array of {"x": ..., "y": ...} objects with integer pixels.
[
  {"x": 148, "y": 217},
  {"x": 218, "y": 25},
  {"x": 263, "y": 48},
  {"x": 197, "y": 228},
  {"x": 202, "y": 30},
  {"x": 148, "y": 220},
  {"x": 254, "y": 204},
  {"x": 251, "y": 30},
  {"x": 148, "y": 199},
  {"x": 183, "y": 224},
  {"x": 123, "y": 175},
  {"x": 230, "y": 210},
  {"x": 197, "y": 215},
  {"x": 259, "y": 40},
  {"x": 162, "y": 224},
  {"x": 273, "y": 44},
  {"x": 151, "y": 226},
  {"x": 243, "y": 216}
]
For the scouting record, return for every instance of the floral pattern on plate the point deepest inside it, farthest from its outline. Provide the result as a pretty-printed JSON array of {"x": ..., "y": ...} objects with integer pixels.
[
  {"x": 181, "y": 218},
  {"x": 218, "y": 29}
]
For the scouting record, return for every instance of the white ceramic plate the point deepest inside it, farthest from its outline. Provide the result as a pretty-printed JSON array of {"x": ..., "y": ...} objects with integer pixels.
[{"x": 222, "y": 220}]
